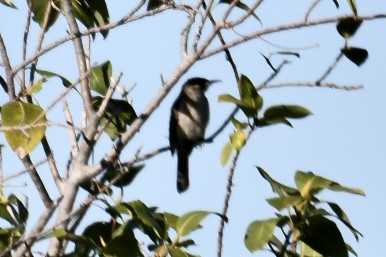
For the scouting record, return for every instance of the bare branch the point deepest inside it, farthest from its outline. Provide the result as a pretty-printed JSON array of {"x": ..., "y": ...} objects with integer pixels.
[
  {"x": 8, "y": 69},
  {"x": 285, "y": 27}
]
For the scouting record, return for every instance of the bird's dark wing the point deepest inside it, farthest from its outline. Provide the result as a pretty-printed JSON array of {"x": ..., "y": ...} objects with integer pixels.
[{"x": 173, "y": 123}]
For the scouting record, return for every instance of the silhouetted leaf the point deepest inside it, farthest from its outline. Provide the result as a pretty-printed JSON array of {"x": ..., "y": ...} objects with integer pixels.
[
  {"x": 125, "y": 177},
  {"x": 20, "y": 115},
  {"x": 344, "y": 219},
  {"x": 322, "y": 235},
  {"x": 348, "y": 26},
  {"x": 242, "y": 6},
  {"x": 336, "y": 3},
  {"x": 353, "y": 6},
  {"x": 269, "y": 62},
  {"x": 154, "y": 4},
  {"x": 259, "y": 233},
  {"x": 356, "y": 55}
]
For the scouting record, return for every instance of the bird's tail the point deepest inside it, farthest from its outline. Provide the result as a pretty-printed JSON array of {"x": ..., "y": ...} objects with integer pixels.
[{"x": 182, "y": 172}]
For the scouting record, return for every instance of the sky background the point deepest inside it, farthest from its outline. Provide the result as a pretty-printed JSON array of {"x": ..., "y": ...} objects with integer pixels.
[{"x": 344, "y": 140}]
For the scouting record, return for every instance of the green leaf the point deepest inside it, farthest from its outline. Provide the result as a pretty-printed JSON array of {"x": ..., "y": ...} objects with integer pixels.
[
  {"x": 177, "y": 252},
  {"x": 355, "y": 54},
  {"x": 323, "y": 236},
  {"x": 35, "y": 88},
  {"x": 242, "y": 6},
  {"x": 286, "y": 111},
  {"x": 20, "y": 115},
  {"x": 280, "y": 189},
  {"x": 154, "y": 4},
  {"x": 226, "y": 153},
  {"x": 101, "y": 77},
  {"x": 259, "y": 233},
  {"x": 229, "y": 99},
  {"x": 347, "y": 27},
  {"x": 250, "y": 102},
  {"x": 152, "y": 223},
  {"x": 239, "y": 125},
  {"x": 171, "y": 219},
  {"x": 117, "y": 116},
  {"x": 284, "y": 202},
  {"x": 39, "y": 8},
  {"x": 190, "y": 222},
  {"x": 310, "y": 184},
  {"x": 48, "y": 74},
  {"x": 353, "y": 6},
  {"x": 238, "y": 140},
  {"x": 8, "y": 3}
]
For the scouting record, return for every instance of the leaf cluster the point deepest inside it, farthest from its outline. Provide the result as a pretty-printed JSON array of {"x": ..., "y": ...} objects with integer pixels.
[
  {"x": 251, "y": 103},
  {"x": 130, "y": 223},
  {"x": 306, "y": 227}
]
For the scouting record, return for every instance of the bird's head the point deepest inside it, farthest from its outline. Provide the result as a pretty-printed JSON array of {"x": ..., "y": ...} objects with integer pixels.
[{"x": 196, "y": 87}]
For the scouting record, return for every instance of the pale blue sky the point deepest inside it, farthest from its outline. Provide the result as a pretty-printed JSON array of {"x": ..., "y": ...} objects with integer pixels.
[{"x": 345, "y": 139}]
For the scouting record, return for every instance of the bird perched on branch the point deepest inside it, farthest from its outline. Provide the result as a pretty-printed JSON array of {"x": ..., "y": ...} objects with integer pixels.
[{"x": 188, "y": 120}]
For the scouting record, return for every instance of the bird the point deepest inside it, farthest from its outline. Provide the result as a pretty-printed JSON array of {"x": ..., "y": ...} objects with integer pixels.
[{"x": 189, "y": 118}]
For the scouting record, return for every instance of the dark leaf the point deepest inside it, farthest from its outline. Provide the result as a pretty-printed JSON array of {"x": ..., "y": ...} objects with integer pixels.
[
  {"x": 353, "y": 6},
  {"x": 117, "y": 116},
  {"x": 348, "y": 26},
  {"x": 322, "y": 235},
  {"x": 336, "y": 3},
  {"x": 242, "y": 6},
  {"x": 344, "y": 219},
  {"x": 268, "y": 62},
  {"x": 356, "y": 55},
  {"x": 125, "y": 177},
  {"x": 154, "y": 4}
]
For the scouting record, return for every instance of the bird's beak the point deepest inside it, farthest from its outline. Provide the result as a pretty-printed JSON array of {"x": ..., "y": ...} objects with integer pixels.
[{"x": 210, "y": 82}]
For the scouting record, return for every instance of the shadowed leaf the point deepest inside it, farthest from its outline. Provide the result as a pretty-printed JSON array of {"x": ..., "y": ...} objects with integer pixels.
[{"x": 356, "y": 55}]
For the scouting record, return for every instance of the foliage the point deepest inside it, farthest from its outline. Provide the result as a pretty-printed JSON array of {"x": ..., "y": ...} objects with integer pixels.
[
  {"x": 306, "y": 228},
  {"x": 131, "y": 227}
]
